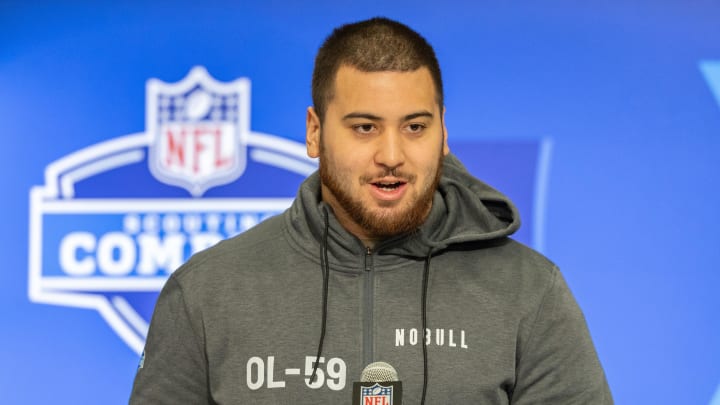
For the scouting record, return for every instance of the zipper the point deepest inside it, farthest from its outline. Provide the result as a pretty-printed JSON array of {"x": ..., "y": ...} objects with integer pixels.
[{"x": 368, "y": 334}]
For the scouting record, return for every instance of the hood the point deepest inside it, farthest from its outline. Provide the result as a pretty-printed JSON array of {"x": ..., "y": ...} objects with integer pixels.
[
  {"x": 467, "y": 210},
  {"x": 464, "y": 210}
]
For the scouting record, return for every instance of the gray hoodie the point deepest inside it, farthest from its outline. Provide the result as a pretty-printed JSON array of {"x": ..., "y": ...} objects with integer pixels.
[{"x": 240, "y": 323}]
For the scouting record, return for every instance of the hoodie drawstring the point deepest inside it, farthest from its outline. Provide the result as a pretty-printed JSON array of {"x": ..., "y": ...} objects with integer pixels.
[
  {"x": 325, "y": 268},
  {"x": 426, "y": 276}
]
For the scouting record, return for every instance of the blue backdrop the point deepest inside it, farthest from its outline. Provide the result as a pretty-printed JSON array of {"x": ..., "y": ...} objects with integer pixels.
[{"x": 601, "y": 118}]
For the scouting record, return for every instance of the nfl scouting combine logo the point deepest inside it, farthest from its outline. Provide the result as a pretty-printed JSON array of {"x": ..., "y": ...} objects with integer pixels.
[{"x": 115, "y": 219}]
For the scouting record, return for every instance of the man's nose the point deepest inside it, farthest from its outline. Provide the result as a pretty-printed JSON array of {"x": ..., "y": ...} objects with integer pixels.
[{"x": 390, "y": 152}]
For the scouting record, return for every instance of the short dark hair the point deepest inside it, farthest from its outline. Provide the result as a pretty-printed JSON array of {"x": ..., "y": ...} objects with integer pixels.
[{"x": 374, "y": 45}]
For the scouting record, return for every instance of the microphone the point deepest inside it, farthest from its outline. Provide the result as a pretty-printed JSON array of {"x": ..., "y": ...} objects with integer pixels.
[{"x": 379, "y": 385}]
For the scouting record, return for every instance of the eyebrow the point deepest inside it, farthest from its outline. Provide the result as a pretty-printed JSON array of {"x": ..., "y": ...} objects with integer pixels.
[
  {"x": 373, "y": 117},
  {"x": 418, "y": 114}
]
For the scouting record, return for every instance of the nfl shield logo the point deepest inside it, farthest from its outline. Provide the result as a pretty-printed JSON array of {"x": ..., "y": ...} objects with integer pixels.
[
  {"x": 198, "y": 129},
  {"x": 377, "y": 395}
]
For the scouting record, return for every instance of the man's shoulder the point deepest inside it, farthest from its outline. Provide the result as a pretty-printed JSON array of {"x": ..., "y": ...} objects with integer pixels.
[
  {"x": 509, "y": 252},
  {"x": 229, "y": 254},
  {"x": 517, "y": 251},
  {"x": 507, "y": 262}
]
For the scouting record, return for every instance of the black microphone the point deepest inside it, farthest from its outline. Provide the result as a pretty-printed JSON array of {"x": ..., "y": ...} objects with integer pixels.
[{"x": 379, "y": 385}]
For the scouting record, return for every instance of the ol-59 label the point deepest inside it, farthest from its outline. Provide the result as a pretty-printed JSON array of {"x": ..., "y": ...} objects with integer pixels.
[{"x": 266, "y": 373}]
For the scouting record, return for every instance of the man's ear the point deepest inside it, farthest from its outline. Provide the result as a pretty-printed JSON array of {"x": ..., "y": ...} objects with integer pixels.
[
  {"x": 446, "y": 148},
  {"x": 312, "y": 133}
]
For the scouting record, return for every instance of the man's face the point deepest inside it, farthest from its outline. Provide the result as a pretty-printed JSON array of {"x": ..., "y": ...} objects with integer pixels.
[{"x": 380, "y": 147}]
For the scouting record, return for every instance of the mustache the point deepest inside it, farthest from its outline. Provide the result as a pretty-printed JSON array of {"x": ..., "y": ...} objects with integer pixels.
[{"x": 394, "y": 172}]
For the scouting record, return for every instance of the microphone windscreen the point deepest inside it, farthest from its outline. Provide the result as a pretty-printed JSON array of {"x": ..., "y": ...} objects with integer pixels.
[{"x": 379, "y": 372}]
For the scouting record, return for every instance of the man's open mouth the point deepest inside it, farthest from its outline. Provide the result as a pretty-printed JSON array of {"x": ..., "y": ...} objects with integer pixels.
[{"x": 388, "y": 186}]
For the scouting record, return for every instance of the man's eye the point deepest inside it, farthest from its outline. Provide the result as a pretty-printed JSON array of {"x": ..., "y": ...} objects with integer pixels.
[
  {"x": 364, "y": 128},
  {"x": 415, "y": 128}
]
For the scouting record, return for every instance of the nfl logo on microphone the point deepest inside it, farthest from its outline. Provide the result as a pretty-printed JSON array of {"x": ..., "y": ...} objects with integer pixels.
[{"x": 377, "y": 395}]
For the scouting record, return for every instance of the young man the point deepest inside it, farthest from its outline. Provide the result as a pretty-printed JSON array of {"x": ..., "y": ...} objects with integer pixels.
[{"x": 391, "y": 252}]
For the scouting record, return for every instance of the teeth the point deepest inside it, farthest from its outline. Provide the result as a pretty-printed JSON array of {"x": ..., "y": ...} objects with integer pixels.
[{"x": 389, "y": 186}]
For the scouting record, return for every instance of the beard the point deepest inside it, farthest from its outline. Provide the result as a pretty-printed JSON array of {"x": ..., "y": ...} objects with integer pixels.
[{"x": 382, "y": 222}]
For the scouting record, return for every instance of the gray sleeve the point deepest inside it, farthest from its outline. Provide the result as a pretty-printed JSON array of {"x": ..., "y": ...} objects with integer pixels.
[
  {"x": 174, "y": 368},
  {"x": 557, "y": 363}
]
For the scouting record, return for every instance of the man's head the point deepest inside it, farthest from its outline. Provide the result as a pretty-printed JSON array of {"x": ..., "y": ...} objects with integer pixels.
[
  {"x": 374, "y": 45},
  {"x": 380, "y": 137}
]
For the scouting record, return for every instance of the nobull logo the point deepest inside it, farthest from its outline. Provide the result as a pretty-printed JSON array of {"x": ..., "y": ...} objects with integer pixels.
[{"x": 115, "y": 219}]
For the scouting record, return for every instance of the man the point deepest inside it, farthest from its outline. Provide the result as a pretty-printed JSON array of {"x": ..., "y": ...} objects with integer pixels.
[{"x": 391, "y": 252}]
